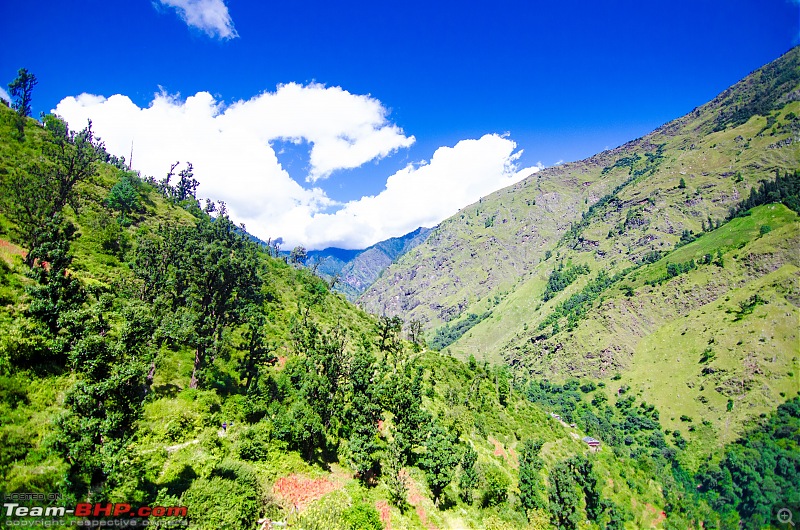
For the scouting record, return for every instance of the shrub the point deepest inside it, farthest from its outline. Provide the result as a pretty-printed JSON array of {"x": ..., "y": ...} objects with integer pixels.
[
  {"x": 495, "y": 487},
  {"x": 254, "y": 442},
  {"x": 361, "y": 517},
  {"x": 230, "y": 498}
]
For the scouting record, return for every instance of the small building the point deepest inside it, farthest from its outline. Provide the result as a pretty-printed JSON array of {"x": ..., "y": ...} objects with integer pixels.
[{"x": 591, "y": 442}]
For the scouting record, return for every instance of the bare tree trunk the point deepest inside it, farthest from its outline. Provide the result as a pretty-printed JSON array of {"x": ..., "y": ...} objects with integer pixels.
[
  {"x": 151, "y": 374},
  {"x": 193, "y": 383}
]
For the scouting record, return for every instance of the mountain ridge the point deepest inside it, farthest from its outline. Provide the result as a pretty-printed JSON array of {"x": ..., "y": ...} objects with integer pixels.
[
  {"x": 542, "y": 207},
  {"x": 351, "y": 272},
  {"x": 632, "y": 217}
]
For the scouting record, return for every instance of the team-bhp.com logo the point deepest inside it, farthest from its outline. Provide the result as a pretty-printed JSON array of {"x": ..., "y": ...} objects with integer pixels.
[{"x": 85, "y": 509}]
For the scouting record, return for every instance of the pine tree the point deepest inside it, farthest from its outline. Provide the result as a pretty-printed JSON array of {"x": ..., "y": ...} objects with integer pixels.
[
  {"x": 20, "y": 90},
  {"x": 531, "y": 486},
  {"x": 469, "y": 475},
  {"x": 565, "y": 497}
]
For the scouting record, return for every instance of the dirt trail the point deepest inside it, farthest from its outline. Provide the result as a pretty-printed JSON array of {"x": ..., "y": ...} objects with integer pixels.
[{"x": 176, "y": 447}]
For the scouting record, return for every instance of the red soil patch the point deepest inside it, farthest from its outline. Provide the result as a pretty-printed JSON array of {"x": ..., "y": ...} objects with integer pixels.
[
  {"x": 385, "y": 513},
  {"x": 423, "y": 517},
  {"x": 414, "y": 496},
  {"x": 302, "y": 491},
  {"x": 11, "y": 248},
  {"x": 280, "y": 364},
  {"x": 383, "y": 428},
  {"x": 6, "y": 247},
  {"x": 499, "y": 450},
  {"x": 509, "y": 456},
  {"x": 415, "y": 499},
  {"x": 661, "y": 516}
]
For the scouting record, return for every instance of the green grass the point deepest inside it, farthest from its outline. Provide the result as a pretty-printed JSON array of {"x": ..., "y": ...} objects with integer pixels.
[
  {"x": 656, "y": 338},
  {"x": 464, "y": 262}
]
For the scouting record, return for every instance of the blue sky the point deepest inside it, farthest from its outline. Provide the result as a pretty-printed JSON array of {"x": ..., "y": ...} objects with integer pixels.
[{"x": 421, "y": 94}]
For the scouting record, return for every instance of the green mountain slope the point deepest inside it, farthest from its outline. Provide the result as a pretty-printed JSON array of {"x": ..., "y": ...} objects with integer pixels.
[
  {"x": 329, "y": 420},
  {"x": 686, "y": 341},
  {"x": 102, "y": 407},
  {"x": 580, "y": 287},
  {"x": 719, "y": 150},
  {"x": 152, "y": 356}
]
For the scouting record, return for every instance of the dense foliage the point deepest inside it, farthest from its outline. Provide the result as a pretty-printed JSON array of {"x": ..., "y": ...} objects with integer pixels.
[
  {"x": 561, "y": 278},
  {"x": 759, "y": 472},
  {"x": 784, "y": 189},
  {"x": 448, "y": 334},
  {"x": 574, "y": 307}
]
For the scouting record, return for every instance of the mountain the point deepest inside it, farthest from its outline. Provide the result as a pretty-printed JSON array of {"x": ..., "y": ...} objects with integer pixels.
[
  {"x": 643, "y": 374},
  {"x": 488, "y": 248},
  {"x": 625, "y": 267},
  {"x": 356, "y": 270},
  {"x": 152, "y": 356}
]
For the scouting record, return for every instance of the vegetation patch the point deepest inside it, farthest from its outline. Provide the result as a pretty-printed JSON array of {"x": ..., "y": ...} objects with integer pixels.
[{"x": 448, "y": 334}]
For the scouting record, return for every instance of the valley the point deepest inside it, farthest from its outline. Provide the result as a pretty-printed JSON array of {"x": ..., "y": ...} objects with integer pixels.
[{"x": 610, "y": 343}]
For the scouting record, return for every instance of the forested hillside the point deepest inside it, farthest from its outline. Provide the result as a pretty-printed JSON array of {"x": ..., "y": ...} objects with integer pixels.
[
  {"x": 152, "y": 354},
  {"x": 644, "y": 263}
]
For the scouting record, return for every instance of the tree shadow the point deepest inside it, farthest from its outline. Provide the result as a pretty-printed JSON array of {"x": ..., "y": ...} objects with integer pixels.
[
  {"x": 181, "y": 482},
  {"x": 446, "y": 502},
  {"x": 225, "y": 384},
  {"x": 167, "y": 390}
]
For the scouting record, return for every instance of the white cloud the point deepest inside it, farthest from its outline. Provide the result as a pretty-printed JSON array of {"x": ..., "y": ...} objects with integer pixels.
[
  {"x": 4, "y": 95},
  {"x": 346, "y": 130},
  {"x": 234, "y": 161},
  {"x": 421, "y": 195},
  {"x": 209, "y": 16}
]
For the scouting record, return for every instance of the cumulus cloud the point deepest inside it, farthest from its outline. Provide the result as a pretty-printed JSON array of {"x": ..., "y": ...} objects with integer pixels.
[
  {"x": 234, "y": 161},
  {"x": 4, "y": 95},
  {"x": 420, "y": 195},
  {"x": 209, "y": 16},
  {"x": 346, "y": 130}
]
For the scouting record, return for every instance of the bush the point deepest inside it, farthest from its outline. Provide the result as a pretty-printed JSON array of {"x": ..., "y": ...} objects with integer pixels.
[
  {"x": 447, "y": 334},
  {"x": 230, "y": 498},
  {"x": 495, "y": 487},
  {"x": 361, "y": 517},
  {"x": 254, "y": 442},
  {"x": 561, "y": 278},
  {"x": 301, "y": 427}
]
